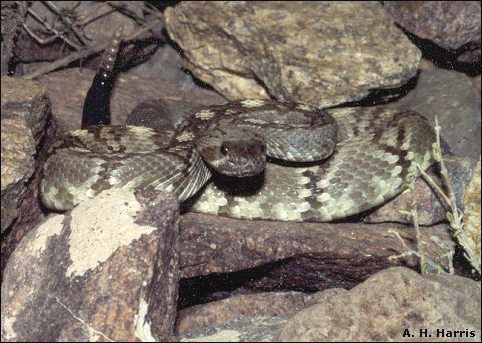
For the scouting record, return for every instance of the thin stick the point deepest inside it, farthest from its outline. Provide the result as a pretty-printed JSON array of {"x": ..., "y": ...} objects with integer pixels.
[
  {"x": 71, "y": 24},
  {"x": 454, "y": 215},
  {"x": 57, "y": 33},
  {"x": 85, "y": 53}
]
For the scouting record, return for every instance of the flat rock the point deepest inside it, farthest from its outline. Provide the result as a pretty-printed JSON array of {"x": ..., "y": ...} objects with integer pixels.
[
  {"x": 390, "y": 304},
  {"x": 313, "y": 256},
  {"x": 240, "y": 329},
  {"x": 107, "y": 270},
  {"x": 321, "y": 53}
]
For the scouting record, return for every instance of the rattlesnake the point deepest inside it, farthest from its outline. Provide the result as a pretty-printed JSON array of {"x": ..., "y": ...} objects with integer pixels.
[{"x": 375, "y": 158}]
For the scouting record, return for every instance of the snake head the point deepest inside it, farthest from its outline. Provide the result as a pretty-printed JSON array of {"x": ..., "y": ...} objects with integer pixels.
[{"x": 236, "y": 152}]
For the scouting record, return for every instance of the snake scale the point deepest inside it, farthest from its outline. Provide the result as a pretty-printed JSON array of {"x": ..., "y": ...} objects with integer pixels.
[{"x": 322, "y": 165}]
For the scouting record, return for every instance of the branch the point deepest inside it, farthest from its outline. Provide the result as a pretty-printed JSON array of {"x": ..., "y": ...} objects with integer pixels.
[{"x": 89, "y": 51}]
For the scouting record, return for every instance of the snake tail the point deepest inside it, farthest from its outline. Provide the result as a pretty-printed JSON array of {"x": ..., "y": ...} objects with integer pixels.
[{"x": 97, "y": 102}]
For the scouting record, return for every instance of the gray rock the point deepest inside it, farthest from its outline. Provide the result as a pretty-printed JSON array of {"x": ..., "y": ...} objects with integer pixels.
[
  {"x": 452, "y": 97},
  {"x": 129, "y": 91},
  {"x": 274, "y": 305},
  {"x": 460, "y": 172},
  {"x": 453, "y": 25}
]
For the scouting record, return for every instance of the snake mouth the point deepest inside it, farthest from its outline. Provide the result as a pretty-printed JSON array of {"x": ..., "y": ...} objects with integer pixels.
[{"x": 241, "y": 167}]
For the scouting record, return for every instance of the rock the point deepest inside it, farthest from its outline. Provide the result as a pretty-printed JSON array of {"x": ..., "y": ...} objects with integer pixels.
[
  {"x": 292, "y": 50},
  {"x": 429, "y": 209},
  {"x": 18, "y": 150},
  {"x": 453, "y": 25},
  {"x": 107, "y": 270},
  {"x": 166, "y": 64},
  {"x": 312, "y": 256},
  {"x": 13, "y": 15},
  {"x": 472, "y": 220},
  {"x": 26, "y": 131},
  {"x": 274, "y": 306},
  {"x": 130, "y": 90},
  {"x": 476, "y": 82},
  {"x": 25, "y": 110},
  {"x": 242, "y": 329},
  {"x": 25, "y": 100},
  {"x": 452, "y": 97},
  {"x": 461, "y": 172},
  {"x": 246, "y": 317},
  {"x": 392, "y": 303}
]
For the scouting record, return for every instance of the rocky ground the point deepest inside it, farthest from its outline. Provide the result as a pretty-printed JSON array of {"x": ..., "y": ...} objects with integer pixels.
[{"x": 132, "y": 266}]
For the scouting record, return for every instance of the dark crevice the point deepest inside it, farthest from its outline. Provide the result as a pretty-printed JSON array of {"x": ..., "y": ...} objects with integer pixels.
[
  {"x": 383, "y": 96},
  {"x": 444, "y": 58},
  {"x": 306, "y": 273},
  {"x": 217, "y": 286}
]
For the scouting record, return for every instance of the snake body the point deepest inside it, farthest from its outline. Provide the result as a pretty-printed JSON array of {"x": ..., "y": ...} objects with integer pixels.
[
  {"x": 374, "y": 159},
  {"x": 322, "y": 164}
]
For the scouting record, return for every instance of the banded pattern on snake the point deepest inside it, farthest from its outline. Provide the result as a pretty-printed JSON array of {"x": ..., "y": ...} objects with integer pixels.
[
  {"x": 350, "y": 159},
  {"x": 375, "y": 159}
]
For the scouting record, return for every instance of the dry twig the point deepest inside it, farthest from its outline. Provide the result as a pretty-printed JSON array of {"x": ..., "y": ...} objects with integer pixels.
[
  {"x": 89, "y": 51},
  {"x": 454, "y": 215}
]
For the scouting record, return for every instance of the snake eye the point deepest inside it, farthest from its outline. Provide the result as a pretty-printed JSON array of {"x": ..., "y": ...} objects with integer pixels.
[{"x": 223, "y": 150}]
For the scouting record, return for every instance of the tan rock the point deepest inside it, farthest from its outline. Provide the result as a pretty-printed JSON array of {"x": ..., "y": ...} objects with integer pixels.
[
  {"x": 472, "y": 219},
  {"x": 314, "y": 256},
  {"x": 24, "y": 113},
  {"x": 390, "y": 304},
  {"x": 107, "y": 270},
  {"x": 322, "y": 53},
  {"x": 267, "y": 305}
]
